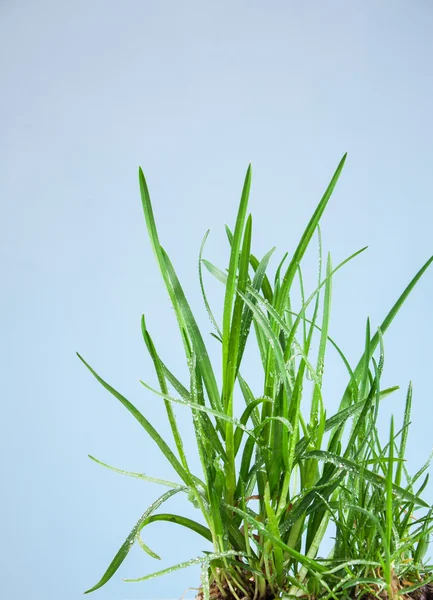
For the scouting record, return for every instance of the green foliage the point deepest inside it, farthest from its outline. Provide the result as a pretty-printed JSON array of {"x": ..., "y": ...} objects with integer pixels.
[{"x": 279, "y": 474}]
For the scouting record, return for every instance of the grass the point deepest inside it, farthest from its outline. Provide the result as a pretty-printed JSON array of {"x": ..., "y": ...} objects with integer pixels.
[{"x": 280, "y": 475}]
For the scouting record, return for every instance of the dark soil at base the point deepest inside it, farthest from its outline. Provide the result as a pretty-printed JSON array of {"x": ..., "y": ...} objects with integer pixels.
[{"x": 424, "y": 592}]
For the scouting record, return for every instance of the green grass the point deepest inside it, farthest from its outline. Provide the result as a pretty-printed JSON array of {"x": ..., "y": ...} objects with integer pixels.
[{"x": 280, "y": 474}]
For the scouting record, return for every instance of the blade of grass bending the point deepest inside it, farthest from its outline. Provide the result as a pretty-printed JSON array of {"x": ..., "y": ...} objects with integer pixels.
[
  {"x": 372, "y": 477},
  {"x": 146, "y": 548},
  {"x": 163, "y": 385},
  {"x": 305, "y": 239},
  {"x": 184, "y": 522},
  {"x": 203, "y": 291},
  {"x": 129, "y": 542},
  {"x": 386, "y": 323},
  {"x": 183, "y": 565},
  {"x": 169, "y": 484},
  {"x": 177, "y": 466}
]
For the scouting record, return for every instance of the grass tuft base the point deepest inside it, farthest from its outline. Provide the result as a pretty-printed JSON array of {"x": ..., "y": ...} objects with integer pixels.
[
  {"x": 424, "y": 592},
  {"x": 215, "y": 594}
]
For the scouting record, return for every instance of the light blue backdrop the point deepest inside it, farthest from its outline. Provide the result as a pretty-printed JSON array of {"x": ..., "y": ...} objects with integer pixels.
[{"x": 192, "y": 91}]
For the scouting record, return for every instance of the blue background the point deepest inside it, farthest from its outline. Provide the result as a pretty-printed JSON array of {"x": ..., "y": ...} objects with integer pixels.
[{"x": 192, "y": 91}]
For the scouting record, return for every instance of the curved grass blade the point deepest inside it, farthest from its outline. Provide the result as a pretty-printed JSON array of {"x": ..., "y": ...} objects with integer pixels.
[
  {"x": 146, "y": 548},
  {"x": 184, "y": 522},
  {"x": 163, "y": 385},
  {"x": 183, "y": 474},
  {"x": 386, "y": 323},
  {"x": 129, "y": 542},
  {"x": 183, "y": 565},
  {"x": 170, "y": 484},
  {"x": 203, "y": 291}
]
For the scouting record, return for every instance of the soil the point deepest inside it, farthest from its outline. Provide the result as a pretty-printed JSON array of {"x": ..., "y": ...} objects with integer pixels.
[
  {"x": 425, "y": 592},
  {"x": 215, "y": 594}
]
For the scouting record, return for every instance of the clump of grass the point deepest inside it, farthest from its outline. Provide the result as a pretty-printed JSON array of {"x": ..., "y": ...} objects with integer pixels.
[{"x": 281, "y": 474}]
